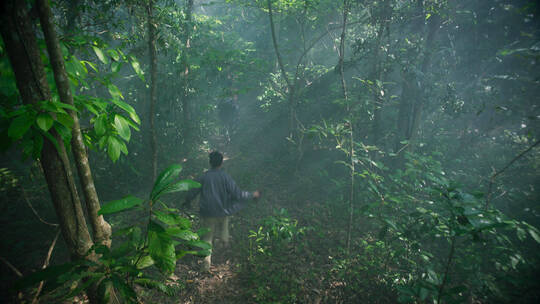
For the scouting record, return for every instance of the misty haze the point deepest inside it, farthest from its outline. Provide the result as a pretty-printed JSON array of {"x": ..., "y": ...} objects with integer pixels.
[{"x": 270, "y": 151}]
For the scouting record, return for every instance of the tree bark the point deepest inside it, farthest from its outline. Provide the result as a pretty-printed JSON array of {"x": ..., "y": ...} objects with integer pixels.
[
  {"x": 153, "y": 80},
  {"x": 23, "y": 52},
  {"x": 102, "y": 229}
]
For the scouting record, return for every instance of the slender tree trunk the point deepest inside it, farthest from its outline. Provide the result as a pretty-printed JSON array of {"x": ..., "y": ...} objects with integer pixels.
[
  {"x": 153, "y": 80},
  {"x": 413, "y": 96},
  {"x": 102, "y": 229},
  {"x": 350, "y": 122},
  {"x": 378, "y": 73},
  {"x": 290, "y": 84},
  {"x": 377, "y": 95},
  {"x": 186, "y": 103},
  {"x": 23, "y": 52}
]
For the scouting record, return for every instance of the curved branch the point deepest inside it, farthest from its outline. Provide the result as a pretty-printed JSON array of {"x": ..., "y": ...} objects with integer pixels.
[
  {"x": 496, "y": 173},
  {"x": 274, "y": 41}
]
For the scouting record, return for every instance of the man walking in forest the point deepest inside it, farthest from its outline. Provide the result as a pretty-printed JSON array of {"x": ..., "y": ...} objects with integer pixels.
[
  {"x": 228, "y": 115},
  {"x": 220, "y": 198}
]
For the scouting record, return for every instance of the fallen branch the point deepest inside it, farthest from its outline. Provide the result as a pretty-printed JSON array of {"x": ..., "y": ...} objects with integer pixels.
[
  {"x": 45, "y": 264},
  {"x": 10, "y": 266}
]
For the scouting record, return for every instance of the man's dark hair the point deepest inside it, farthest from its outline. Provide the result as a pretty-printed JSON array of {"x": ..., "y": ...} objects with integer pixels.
[{"x": 216, "y": 159}]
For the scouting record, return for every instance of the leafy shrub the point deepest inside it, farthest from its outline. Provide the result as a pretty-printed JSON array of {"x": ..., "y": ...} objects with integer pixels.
[{"x": 146, "y": 256}]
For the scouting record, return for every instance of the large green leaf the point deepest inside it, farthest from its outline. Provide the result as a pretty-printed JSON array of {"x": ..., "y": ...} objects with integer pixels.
[
  {"x": 165, "y": 179},
  {"x": 114, "y": 148},
  {"x": 62, "y": 105},
  {"x": 44, "y": 121},
  {"x": 145, "y": 261},
  {"x": 100, "y": 55},
  {"x": 122, "y": 127},
  {"x": 20, "y": 125},
  {"x": 167, "y": 218},
  {"x": 100, "y": 124},
  {"x": 114, "y": 91},
  {"x": 183, "y": 185},
  {"x": 129, "y": 109},
  {"x": 120, "y": 205},
  {"x": 184, "y": 234},
  {"x": 200, "y": 244},
  {"x": 137, "y": 67},
  {"x": 161, "y": 247},
  {"x": 114, "y": 54}
]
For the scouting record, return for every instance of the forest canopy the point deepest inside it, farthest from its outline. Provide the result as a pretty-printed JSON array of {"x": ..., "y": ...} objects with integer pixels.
[{"x": 394, "y": 145}]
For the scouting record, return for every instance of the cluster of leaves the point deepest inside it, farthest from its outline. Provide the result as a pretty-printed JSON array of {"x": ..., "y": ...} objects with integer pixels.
[
  {"x": 164, "y": 239},
  {"x": 29, "y": 124},
  {"x": 111, "y": 118}
]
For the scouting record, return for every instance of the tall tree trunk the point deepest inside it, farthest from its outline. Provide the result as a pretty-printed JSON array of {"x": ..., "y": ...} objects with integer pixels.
[
  {"x": 413, "y": 97},
  {"x": 186, "y": 103},
  {"x": 350, "y": 122},
  {"x": 290, "y": 84},
  {"x": 153, "y": 80},
  {"x": 102, "y": 229},
  {"x": 378, "y": 72},
  {"x": 23, "y": 52},
  {"x": 376, "y": 75}
]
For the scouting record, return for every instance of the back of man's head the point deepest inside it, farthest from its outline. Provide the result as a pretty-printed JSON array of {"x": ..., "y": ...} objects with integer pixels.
[{"x": 216, "y": 159}]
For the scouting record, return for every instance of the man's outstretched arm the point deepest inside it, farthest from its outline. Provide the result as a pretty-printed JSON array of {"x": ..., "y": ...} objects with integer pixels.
[{"x": 237, "y": 194}]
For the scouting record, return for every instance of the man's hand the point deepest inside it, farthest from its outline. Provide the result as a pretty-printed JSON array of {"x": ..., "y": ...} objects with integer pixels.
[{"x": 256, "y": 194}]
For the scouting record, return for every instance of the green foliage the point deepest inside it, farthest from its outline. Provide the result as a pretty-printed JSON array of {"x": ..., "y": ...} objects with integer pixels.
[
  {"x": 166, "y": 238},
  {"x": 270, "y": 249},
  {"x": 28, "y": 125},
  {"x": 433, "y": 226}
]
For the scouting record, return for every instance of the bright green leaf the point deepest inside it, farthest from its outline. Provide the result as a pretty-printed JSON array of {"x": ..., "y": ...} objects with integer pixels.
[
  {"x": 137, "y": 67},
  {"x": 122, "y": 127},
  {"x": 183, "y": 185},
  {"x": 44, "y": 121},
  {"x": 100, "y": 55},
  {"x": 114, "y": 91},
  {"x": 114, "y": 147},
  {"x": 100, "y": 124},
  {"x": 534, "y": 234},
  {"x": 114, "y": 54},
  {"x": 145, "y": 261},
  {"x": 161, "y": 248},
  {"x": 165, "y": 179},
  {"x": 120, "y": 205},
  {"x": 183, "y": 234},
  {"x": 129, "y": 109}
]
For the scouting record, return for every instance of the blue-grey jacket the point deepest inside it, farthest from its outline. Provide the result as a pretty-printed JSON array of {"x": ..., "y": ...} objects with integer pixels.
[{"x": 220, "y": 196}]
